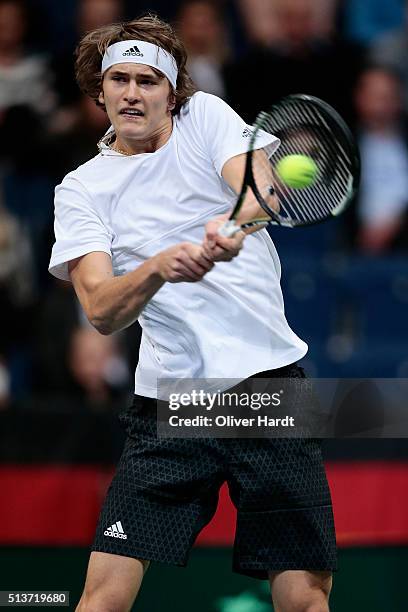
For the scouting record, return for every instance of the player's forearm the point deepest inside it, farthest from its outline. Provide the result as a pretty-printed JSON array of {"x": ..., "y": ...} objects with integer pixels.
[
  {"x": 233, "y": 173},
  {"x": 251, "y": 210},
  {"x": 118, "y": 301}
]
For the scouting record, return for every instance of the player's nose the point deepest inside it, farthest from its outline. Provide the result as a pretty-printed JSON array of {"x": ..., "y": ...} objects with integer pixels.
[{"x": 132, "y": 92}]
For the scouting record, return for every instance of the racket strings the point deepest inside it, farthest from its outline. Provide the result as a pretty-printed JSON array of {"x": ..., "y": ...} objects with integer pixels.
[
  {"x": 328, "y": 186},
  {"x": 316, "y": 201},
  {"x": 304, "y": 130},
  {"x": 263, "y": 174}
]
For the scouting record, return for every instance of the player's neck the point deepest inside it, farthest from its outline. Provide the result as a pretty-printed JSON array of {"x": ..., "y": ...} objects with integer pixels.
[{"x": 134, "y": 146}]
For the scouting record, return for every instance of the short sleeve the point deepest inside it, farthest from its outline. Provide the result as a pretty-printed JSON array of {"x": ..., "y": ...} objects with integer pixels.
[
  {"x": 224, "y": 133},
  {"x": 78, "y": 228}
]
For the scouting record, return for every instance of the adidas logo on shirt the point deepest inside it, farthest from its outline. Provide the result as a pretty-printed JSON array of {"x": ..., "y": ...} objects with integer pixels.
[
  {"x": 134, "y": 51},
  {"x": 247, "y": 133},
  {"x": 116, "y": 531}
]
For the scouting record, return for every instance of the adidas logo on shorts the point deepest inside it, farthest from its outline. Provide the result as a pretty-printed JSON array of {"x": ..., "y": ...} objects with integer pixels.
[
  {"x": 116, "y": 531},
  {"x": 134, "y": 51}
]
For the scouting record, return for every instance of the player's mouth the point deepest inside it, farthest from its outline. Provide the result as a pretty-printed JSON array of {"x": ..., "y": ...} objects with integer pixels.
[{"x": 131, "y": 113}]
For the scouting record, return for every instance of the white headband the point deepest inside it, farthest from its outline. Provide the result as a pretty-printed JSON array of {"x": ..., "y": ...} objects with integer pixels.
[{"x": 141, "y": 52}]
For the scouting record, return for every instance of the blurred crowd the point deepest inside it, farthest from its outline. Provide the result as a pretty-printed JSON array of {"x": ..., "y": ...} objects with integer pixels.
[{"x": 351, "y": 53}]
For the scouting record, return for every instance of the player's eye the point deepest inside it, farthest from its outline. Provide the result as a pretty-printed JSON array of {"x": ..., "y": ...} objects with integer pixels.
[{"x": 118, "y": 78}]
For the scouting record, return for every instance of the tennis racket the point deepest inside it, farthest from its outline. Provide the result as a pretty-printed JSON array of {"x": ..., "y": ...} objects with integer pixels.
[{"x": 310, "y": 127}]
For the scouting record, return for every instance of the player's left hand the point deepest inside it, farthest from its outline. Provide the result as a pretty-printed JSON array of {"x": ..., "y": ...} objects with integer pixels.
[{"x": 220, "y": 248}]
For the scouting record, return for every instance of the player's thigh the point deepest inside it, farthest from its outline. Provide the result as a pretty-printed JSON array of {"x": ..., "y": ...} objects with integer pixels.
[
  {"x": 112, "y": 582},
  {"x": 300, "y": 589}
]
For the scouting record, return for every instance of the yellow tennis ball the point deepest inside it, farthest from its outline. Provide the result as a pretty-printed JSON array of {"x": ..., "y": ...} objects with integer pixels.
[{"x": 297, "y": 171}]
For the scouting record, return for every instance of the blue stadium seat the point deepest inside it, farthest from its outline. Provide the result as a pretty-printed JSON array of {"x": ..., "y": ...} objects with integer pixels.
[
  {"x": 352, "y": 311},
  {"x": 312, "y": 299},
  {"x": 373, "y": 360},
  {"x": 377, "y": 291},
  {"x": 312, "y": 240}
]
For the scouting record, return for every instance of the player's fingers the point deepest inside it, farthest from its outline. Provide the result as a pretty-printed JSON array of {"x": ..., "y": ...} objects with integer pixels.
[
  {"x": 227, "y": 256},
  {"x": 211, "y": 232},
  {"x": 219, "y": 254},
  {"x": 205, "y": 260},
  {"x": 182, "y": 274},
  {"x": 233, "y": 243},
  {"x": 195, "y": 263},
  {"x": 196, "y": 269},
  {"x": 200, "y": 256},
  {"x": 209, "y": 253},
  {"x": 220, "y": 244}
]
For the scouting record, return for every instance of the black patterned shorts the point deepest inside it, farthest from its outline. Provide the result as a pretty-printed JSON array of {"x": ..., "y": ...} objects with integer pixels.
[{"x": 166, "y": 490}]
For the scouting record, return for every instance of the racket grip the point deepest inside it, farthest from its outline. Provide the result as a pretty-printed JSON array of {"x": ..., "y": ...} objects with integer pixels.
[{"x": 229, "y": 228}]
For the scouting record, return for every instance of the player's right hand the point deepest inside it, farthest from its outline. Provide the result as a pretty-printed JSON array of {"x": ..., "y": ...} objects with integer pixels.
[{"x": 185, "y": 262}]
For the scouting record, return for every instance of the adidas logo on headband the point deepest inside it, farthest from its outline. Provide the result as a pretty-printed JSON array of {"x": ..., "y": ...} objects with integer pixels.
[{"x": 134, "y": 51}]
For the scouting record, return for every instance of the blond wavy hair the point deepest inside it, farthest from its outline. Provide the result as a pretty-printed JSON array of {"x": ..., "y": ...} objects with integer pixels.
[{"x": 149, "y": 28}]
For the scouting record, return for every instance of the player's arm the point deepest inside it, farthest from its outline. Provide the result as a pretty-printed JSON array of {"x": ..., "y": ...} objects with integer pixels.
[
  {"x": 233, "y": 173},
  {"x": 224, "y": 249},
  {"x": 113, "y": 302}
]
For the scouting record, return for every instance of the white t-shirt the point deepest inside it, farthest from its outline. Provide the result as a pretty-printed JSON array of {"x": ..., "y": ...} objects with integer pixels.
[{"x": 231, "y": 324}]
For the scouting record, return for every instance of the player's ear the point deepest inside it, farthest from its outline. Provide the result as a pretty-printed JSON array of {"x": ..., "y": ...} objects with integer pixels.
[
  {"x": 101, "y": 99},
  {"x": 171, "y": 102}
]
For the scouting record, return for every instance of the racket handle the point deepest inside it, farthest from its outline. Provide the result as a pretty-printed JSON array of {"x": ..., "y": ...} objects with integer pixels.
[{"x": 229, "y": 228}]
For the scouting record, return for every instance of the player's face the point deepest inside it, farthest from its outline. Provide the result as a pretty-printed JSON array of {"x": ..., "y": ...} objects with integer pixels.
[{"x": 139, "y": 103}]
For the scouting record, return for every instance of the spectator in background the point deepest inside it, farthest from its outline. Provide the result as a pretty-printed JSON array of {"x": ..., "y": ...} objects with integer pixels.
[
  {"x": 25, "y": 182},
  {"x": 383, "y": 200},
  {"x": 55, "y": 323},
  {"x": 307, "y": 58},
  {"x": 91, "y": 14},
  {"x": 60, "y": 354},
  {"x": 25, "y": 77},
  {"x": 78, "y": 142},
  {"x": 391, "y": 51},
  {"x": 260, "y": 22},
  {"x": 94, "y": 14},
  {"x": 201, "y": 27},
  {"x": 26, "y": 101},
  {"x": 97, "y": 366},
  {"x": 16, "y": 299}
]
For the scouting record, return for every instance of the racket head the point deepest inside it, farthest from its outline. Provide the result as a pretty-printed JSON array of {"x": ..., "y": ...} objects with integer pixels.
[{"x": 310, "y": 127}]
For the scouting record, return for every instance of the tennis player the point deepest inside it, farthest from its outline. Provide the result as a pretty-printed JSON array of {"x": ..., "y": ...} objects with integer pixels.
[{"x": 130, "y": 235}]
